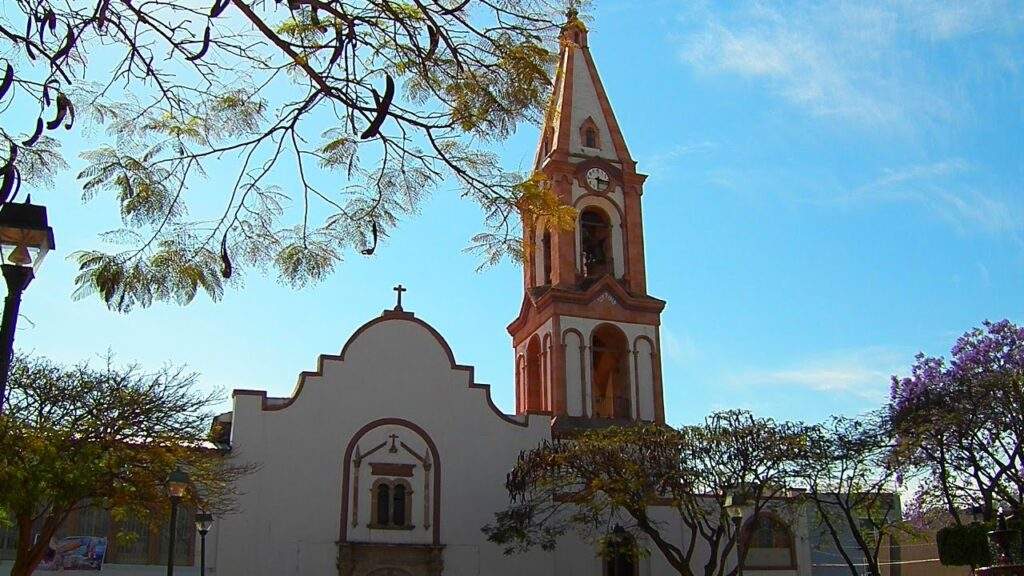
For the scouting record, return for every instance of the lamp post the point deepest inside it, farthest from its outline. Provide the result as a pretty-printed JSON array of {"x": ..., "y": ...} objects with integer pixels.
[
  {"x": 204, "y": 521},
  {"x": 25, "y": 238},
  {"x": 737, "y": 505},
  {"x": 177, "y": 484}
]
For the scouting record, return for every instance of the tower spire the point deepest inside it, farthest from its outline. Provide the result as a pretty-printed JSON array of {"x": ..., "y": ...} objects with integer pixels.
[
  {"x": 578, "y": 95},
  {"x": 586, "y": 338}
]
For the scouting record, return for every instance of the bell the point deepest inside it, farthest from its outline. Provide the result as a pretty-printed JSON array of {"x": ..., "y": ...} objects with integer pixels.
[{"x": 20, "y": 256}]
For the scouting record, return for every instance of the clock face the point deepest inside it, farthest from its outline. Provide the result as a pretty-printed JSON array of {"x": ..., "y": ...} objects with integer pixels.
[{"x": 598, "y": 179}]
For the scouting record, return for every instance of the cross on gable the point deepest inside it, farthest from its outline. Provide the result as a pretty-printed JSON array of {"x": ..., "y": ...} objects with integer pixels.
[
  {"x": 393, "y": 437},
  {"x": 399, "y": 289}
]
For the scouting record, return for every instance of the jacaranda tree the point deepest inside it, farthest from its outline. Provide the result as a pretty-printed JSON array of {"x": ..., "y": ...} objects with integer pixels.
[{"x": 962, "y": 419}]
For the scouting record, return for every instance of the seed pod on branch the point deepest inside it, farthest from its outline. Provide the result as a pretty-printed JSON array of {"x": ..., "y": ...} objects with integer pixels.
[
  {"x": 218, "y": 7},
  {"x": 205, "y": 47},
  {"x": 62, "y": 111},
  {"x": 373, "y": 230},
  {"x": 8, "y": 80},
  {"x": 10, "y": 178},
  {"x": 35, "y": 135},
  {"x": 66, "y": 48},
  {"x": 226, "y": 268},
  {"x": 71, "y": 111},
  {"x": 383, "y": 106}
]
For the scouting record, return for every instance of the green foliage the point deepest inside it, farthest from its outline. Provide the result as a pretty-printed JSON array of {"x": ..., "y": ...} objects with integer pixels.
[
  {"x": 173, "y": 272},
  {"x": 964, "y": 545},
  {"x": 598, "y": 478},
  {"x": 79, "y": 436},
  {"x": 403, "y": 94}
]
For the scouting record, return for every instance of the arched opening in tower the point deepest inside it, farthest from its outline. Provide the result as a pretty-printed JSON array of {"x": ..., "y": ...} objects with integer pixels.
[
  {"x": 610, "y": 373},
  {"x": 595, "y": 242},
  {"x": 534, "y": 392}
]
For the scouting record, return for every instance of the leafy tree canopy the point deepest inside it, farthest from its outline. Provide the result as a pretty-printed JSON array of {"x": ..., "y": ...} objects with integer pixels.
[
  {"x": 360, "y": 107},
  {"x": 963, "y": 422},
  {"x": 635, "y": 475},
  {"x": 74, "y": 437}
]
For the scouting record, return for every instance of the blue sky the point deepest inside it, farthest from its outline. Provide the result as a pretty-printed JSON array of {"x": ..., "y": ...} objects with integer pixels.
[{"x": 833, "y": 187}]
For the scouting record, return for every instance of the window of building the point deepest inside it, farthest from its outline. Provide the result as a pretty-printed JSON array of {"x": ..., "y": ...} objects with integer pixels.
[
  {"x": 392, "y": 500},
  {"x": 398, "y": 506},
  {"x": 770, "y": 544},
  {"x": 595, "y": 242},
  {"x": 383, "y": 498},
  {"x": 609, "y": 373},
  {"x": 589, "y": 134}
]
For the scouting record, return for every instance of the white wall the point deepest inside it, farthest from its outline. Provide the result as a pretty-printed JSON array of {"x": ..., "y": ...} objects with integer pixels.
[
  {"x": 393, "y": 369},
  {"x": 585, "y": 104}
]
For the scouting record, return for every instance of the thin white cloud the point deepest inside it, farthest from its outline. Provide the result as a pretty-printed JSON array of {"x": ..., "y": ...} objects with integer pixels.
[
  {"x": 679, "y": 348},
  {"x": 948, "y": 190},
  {"x": 859, "y": 61},
  {"x": 861, "y": 373},
  {"x": 663, "y": 161},
  {"x": 942, "y": 20}
]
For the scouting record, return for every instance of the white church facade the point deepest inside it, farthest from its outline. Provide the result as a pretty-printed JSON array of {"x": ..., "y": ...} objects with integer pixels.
[{"x": 389, "y": 458}]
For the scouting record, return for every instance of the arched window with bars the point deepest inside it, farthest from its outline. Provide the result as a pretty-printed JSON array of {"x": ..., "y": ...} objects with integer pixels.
[{"x": 391, "y": 505}]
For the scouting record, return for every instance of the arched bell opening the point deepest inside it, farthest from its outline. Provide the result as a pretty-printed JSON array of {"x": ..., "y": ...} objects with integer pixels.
[
  {"x": 595, "y": 242},
  {"x": 610, "y": 373}
]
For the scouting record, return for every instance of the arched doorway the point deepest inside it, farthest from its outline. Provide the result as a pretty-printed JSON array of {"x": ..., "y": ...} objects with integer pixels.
[
  {"x": 609, "y": 373},
  {"x": 595, "y": 242}
]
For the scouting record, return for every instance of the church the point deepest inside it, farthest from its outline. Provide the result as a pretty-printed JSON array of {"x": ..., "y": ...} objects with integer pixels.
[{"x": 361, "y": 474}]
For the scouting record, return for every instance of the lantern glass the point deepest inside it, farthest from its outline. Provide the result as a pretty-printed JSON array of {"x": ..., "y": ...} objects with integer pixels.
[
  {"x": 204, "y": 521},
  {"x": 737, "y": 504},
  {"x": 177, "y": 483},
  {"x": 25, "y": 237}
]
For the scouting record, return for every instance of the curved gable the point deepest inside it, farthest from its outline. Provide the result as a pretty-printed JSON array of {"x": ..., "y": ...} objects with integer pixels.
[{"x": 394, "y": 341}]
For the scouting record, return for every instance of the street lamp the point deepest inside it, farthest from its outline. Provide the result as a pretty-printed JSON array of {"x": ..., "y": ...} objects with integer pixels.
[
  {"x": 177, "y": 485},
  {"x": 25, "y": 238},
  {"x": 204, "y": 521},
  {"x": 737, "y": 505}
]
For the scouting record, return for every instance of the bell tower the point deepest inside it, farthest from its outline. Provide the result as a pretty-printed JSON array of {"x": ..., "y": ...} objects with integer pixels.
[{"x": 586, "y": 339}]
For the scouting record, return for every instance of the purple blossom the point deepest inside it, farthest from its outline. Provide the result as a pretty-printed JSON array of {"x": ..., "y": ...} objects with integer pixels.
[{"x": 997, "y": 350}]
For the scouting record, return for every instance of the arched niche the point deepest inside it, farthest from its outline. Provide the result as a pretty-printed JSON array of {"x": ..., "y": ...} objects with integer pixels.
[
  {"x": 426, "y": 458},
  {"x": 541, "y": 256},
  {"x": 575, "y": 372},
  {"x": 534, "y": 385},
  {"x": 643, "y": 370}
]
